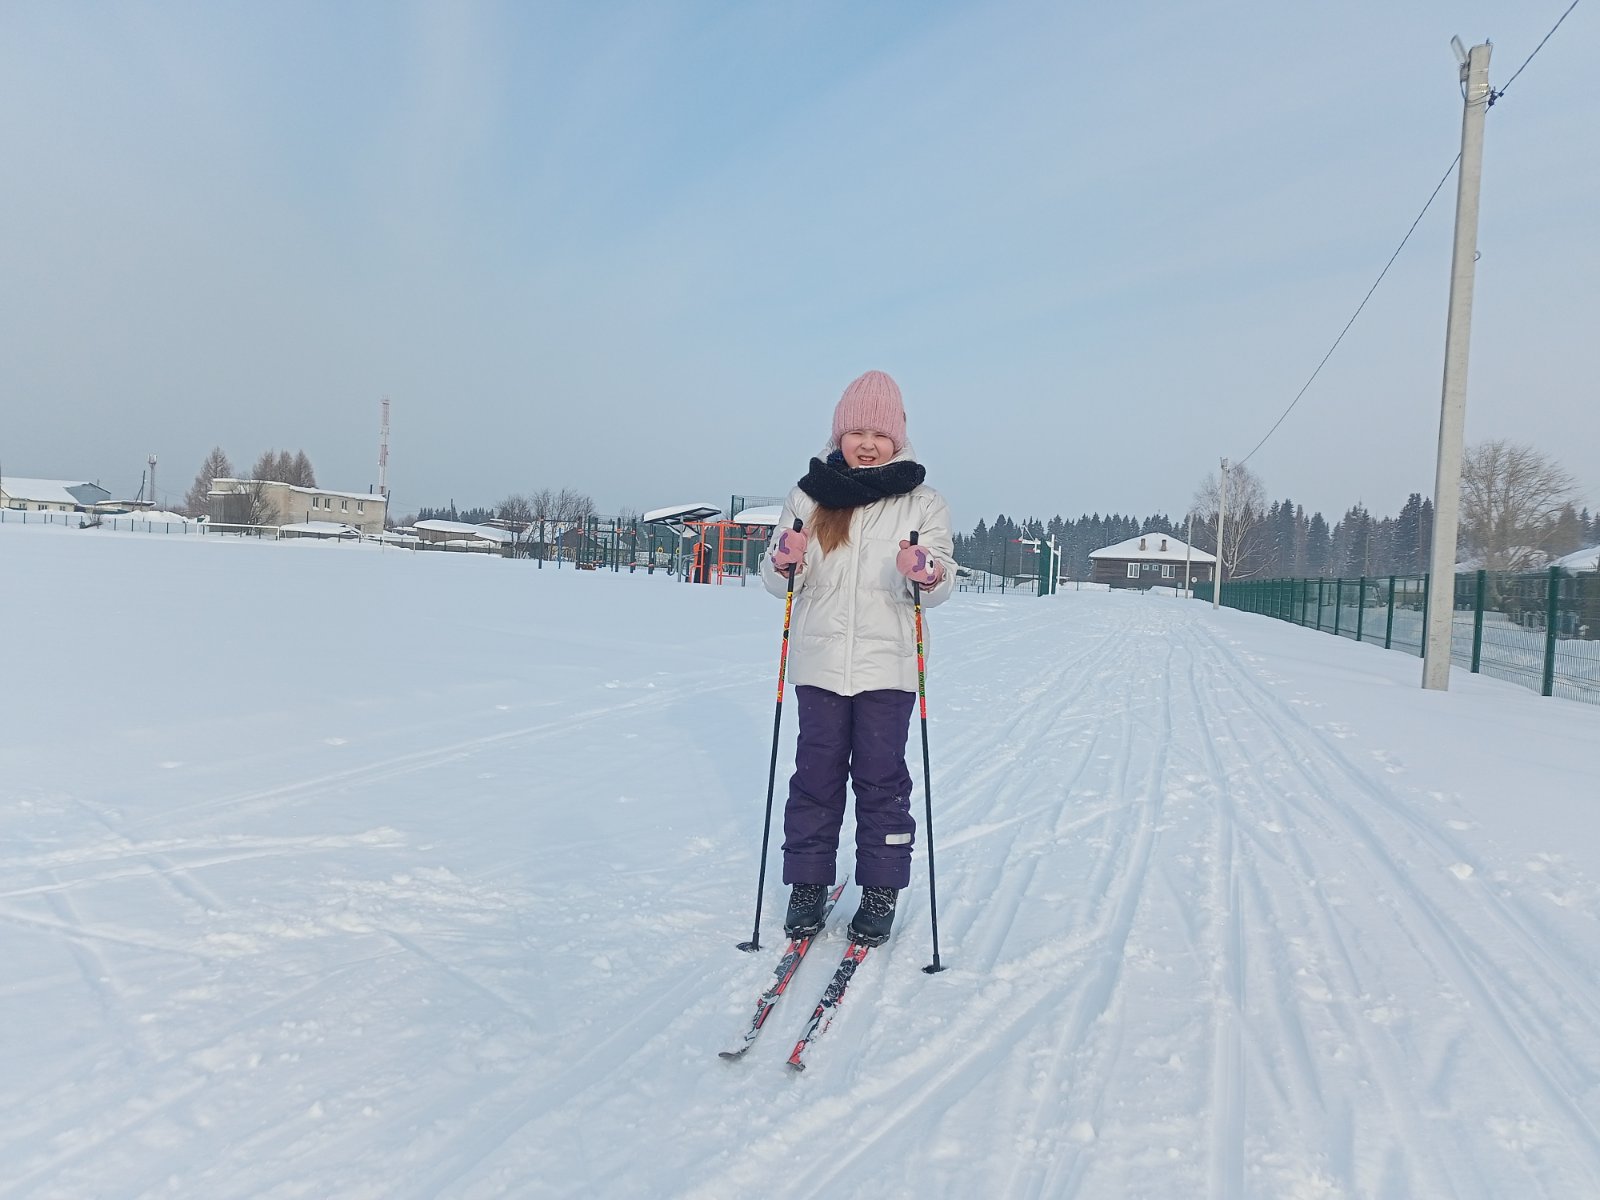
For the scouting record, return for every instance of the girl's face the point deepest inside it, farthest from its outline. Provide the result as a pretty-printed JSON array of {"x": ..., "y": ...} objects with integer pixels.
[{"x": 865, "y": 448}]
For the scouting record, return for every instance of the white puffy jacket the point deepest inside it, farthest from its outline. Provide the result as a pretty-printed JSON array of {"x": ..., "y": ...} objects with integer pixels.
[{"x": 853, "y": 628}]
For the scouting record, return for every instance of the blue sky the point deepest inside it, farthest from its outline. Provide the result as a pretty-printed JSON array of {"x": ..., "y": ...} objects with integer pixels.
[{"x": 639, "y": 249}]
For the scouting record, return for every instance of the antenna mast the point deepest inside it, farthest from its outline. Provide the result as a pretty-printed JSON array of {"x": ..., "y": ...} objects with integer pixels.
[
  {"x": 152, "y": 481},
  {"x": 383, "y": 452}
]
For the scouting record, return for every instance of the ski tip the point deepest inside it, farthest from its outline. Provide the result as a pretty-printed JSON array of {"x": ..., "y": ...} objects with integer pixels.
[
  {"x": 730, "y": 1055},
  {"x": 795, "y": 1065}
]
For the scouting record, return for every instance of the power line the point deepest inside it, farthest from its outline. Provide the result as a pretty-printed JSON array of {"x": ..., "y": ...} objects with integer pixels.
[
  {"x": 1432, "y": 196},
  {"x": 1494, "y": 94}
]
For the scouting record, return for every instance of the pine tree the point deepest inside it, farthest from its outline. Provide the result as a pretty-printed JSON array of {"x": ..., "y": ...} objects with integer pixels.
[
  {"x": 1319, "y": 546},
  {"x": 266, "y": 466},
  {"x": 1352, "y": 549},
  {"x": 1409, "y": 549},
  {"x": 196, "y": 501},
  {"x": 1568, "y": 535}
]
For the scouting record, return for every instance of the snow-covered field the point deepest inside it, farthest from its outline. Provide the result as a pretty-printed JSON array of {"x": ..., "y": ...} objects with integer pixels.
[{"x": 330, "y": 871}]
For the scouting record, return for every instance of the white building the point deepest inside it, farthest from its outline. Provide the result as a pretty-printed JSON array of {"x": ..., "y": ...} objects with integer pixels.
[
  {"x": 291, "y": 505},
  {"x": 50, "y": 495},
  {"x": 461, "y": 533}
]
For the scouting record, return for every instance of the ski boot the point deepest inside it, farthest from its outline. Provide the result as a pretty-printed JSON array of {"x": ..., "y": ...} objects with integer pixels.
[
  {"x": 870, "y": 926},
  {"x": 804, "y": 918}
]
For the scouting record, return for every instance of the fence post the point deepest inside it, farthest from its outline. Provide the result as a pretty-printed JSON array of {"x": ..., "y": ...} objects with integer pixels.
[
  {"x": 1320, "y": 582},
  {"x": 1361, "y": 608},
  {"x": 1338, "y": 603},
  {"x": 1388, "y": 625},
  {"x": 1552, "y": 613},
  {"x": 1477, "y": 622},
  {"x": 1427, "y": 588}
]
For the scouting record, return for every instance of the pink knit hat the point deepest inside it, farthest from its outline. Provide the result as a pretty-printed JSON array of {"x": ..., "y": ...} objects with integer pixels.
[{"x": 871, "y": 402}]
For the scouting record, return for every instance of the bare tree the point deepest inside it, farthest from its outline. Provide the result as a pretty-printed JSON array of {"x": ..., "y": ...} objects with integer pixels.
[
  {"x": 573, "y": 506},
  {"x": 1243, "y": 552},
  {"x": 258, "y": 508},
  {"x": 301, "y": 471},
  {"x": 542, "y": 507},
  {"x": 570, "y": 509},
  {"x": 248, "y": 503},
  {"x": 515, "y": 508},
  {"x": 197, "y": 500},
  {"x": 1512, "y": 497},
  {"x": 517, "y": 513}
]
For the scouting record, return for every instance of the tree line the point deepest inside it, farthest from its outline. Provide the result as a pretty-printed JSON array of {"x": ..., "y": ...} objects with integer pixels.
[
  {"x": 1518, "y": 511},
  {"x": 273, "y": 466},
  {"x": 520, "y": 511}
]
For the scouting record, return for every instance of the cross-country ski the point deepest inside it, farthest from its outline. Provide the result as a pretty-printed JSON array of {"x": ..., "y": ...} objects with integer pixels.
[
  {"x": 789, "y": 961},
  {"x": 827, "y": 1008}
]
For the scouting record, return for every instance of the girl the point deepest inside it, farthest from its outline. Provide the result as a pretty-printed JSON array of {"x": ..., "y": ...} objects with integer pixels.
[{"x": 852, "y": 653}]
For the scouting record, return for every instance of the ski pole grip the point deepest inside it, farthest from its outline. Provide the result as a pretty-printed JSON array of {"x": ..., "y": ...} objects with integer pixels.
[
  {"x": 913, "y": 537},
  {"x": 797, "y": 524}
]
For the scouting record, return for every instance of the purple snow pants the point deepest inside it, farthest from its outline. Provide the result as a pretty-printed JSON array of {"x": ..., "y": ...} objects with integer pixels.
[{"x": 862, "y": 738}]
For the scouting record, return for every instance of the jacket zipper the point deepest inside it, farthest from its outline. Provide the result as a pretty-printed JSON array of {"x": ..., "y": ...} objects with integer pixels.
[{"x": 850, "y": 626}]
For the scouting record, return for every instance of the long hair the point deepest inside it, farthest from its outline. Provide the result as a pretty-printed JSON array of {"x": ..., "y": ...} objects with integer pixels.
[{"x": 831, "y": 527}]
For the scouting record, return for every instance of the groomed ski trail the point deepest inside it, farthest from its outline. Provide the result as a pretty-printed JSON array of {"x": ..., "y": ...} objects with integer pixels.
[{"x": 1207, "y": 932}]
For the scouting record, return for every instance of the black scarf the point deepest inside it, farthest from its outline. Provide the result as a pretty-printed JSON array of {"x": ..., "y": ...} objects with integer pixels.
[{"x": 833, "y": 485}]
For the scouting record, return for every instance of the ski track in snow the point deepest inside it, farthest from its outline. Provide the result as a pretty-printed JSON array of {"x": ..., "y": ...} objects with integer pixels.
[{"x": 1200, "y": 941}]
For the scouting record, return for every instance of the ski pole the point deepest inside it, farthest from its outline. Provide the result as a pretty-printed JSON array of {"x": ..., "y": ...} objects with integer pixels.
[
  {"x": 932, "y": 968},
  {"x": 754, "y": 943}
]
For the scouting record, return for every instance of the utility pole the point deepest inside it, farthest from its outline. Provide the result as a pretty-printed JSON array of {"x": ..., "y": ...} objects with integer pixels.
[
  {"x": 1188, "y": 553},
  {"x": 1222, "y": 524},
  {"x": 1457, "y": 339}
]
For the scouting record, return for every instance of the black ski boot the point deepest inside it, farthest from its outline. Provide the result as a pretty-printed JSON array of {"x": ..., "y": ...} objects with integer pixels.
[
  {"x": 805, "y": 909},
  {"x": 870, "y": 925}
]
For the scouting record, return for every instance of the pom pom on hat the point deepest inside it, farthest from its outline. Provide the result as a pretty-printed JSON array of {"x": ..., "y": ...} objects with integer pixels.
[{"x": 871, "y": 402}]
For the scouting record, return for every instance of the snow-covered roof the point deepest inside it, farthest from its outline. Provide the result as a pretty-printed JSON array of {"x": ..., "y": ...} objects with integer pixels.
[
  {"x": 294, "y": 487},
  {"x": 41, "y": 491},
  {"x": 159, "y": 516},
  {"x": 766, "y": 514},
  {"x": 1151, "y": 551},
  {"x": 322, "y": 529},
  {"x": 678, "y": 513},
  {"x": 486, "y": 533},
  {"x": 1581, "y": 560}
]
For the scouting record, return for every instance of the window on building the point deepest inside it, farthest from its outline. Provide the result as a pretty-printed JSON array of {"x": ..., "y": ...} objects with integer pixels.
[
  {"x": 1133, "y": 570},
  {"x": 344, "y": 506},
  {"x": 1166, "y": 570},
  {"x": 361, "y": 506}
]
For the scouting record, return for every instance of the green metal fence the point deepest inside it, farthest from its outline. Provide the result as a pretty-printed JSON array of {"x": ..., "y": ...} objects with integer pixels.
[{"x": 1540, "y": 630}]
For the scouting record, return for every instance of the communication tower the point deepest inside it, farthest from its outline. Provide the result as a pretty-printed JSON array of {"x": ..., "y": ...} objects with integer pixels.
[{"x": 383, "y": 452}]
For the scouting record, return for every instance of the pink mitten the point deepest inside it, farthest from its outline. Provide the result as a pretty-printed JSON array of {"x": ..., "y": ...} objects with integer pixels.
[
  {"x": 917, "y": 565},
  {"x": 789, "y": 550}
]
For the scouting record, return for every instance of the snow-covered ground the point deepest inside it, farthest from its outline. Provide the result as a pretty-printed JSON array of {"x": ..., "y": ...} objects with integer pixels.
[{"x": 335, "y": 871}]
